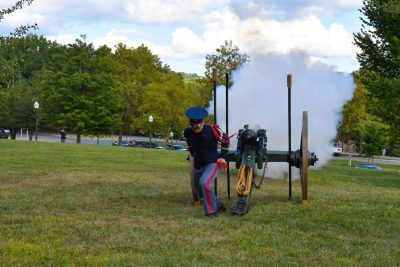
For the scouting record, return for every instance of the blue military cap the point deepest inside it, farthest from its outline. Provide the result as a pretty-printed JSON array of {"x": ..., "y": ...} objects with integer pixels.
[{"x": 196, "y": 113}]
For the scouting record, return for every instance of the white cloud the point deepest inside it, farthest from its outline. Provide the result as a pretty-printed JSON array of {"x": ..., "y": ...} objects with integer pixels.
[
  {"x": 287, "y": 9},
  {"x": 202, "y": 25},
  {"x": 262, "y": 36},
  {"x": 186, "y": 42},
  {"x": 345, "y": 3},
  {"x": 142, "y": 11},
  {"x": 161, "y": 11}
]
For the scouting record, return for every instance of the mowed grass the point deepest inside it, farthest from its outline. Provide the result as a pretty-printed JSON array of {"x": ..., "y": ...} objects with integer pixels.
[{"x": 86, "y": 205}]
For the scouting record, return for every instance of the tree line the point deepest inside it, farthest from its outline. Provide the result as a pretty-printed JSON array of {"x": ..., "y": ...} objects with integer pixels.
[
  {"x": 96, "y": 91},
  {"x": 372, "y": 118},
  {"x": 90, "y": 90}
]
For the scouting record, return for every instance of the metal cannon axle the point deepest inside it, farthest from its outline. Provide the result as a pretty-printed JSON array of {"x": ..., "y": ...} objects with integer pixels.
[{"x": 294, "y": 157}]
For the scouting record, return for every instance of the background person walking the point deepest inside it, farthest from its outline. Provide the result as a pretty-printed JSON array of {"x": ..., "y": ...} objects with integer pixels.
[{"x": 63, "y": 135}]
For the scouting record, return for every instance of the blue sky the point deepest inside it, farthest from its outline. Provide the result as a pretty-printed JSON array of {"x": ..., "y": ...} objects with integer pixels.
[{"x": 182, "y": 32}]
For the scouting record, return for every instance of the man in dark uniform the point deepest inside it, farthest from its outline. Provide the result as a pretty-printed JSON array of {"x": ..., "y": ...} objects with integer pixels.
[
  {"x": 202, "y": 144},
  {"x": 63, "y": 135}
]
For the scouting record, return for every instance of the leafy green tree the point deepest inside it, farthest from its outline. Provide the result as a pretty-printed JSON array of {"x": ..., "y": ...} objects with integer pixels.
[
  {"x": 136, "y": 69},
  {"x": 105, "y": 101},
  {"x": 24, "y": 56},
  {"x": 227, "y": 59},
  {"x": 200, "y": 92},
  {"x": 21, "y": 58},
  {"x": 379, "y": 41},
  {"x": 379, "y": 37},
  {"x": 17, "y": 107},
  {"x": 373, "y": 139},
  {"x": 78, "y": 89},
  {"x": 10, "y": 72},
  {"x": 355, "y": 113},
  {"x": 166, "y": 100},
  {"x": 199, "y": 88},
  {"x": 385, "y": 102}
]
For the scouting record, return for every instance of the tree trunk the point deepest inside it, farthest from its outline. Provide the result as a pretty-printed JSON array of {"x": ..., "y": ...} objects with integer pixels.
[
  {"x": 14, "y": 134},
  {"x": 120, "y": 136},
  {"x": 78, "y": 137}
]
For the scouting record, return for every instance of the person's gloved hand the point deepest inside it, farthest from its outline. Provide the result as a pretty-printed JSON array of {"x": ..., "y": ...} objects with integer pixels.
[{"x": 222, "y": 163}]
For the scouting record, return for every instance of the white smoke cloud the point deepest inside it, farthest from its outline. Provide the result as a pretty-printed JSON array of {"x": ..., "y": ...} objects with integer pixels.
[{"x": 259, "y": 97}]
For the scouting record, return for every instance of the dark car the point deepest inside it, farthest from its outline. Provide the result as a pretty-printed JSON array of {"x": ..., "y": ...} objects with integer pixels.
[
  {"x": 137, "y": 143},
  {"x": 153, "y": 145},
  {"x": 4, "y": 133}
]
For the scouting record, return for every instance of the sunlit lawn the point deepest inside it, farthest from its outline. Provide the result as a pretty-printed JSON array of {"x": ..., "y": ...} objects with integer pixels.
[{"x": 87, "y": 205}]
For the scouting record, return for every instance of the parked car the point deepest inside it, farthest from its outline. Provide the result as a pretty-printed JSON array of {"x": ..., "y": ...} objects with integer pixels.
[
  {"x": 137, "y": 143},
  {"x": 153, "y": 145},
  {"x": 178, "y": 147},
  {"x": 123, "y": 143},
  {"x": 146, "y": 144},
  {"x": 4, "y": 133},
  {"x": 336, "y": 149}
]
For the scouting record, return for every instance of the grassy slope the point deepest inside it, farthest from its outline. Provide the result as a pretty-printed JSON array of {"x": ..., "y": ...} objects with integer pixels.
[{"x": 64, "y": 204}]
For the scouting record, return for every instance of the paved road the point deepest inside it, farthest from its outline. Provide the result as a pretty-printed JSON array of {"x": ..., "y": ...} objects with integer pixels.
[
  {"x": 105, "y": 141},
  {"x": 381, "y": 160}
]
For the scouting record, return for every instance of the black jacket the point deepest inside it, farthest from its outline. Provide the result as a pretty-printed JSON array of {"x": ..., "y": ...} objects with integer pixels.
[{"x": 203, "y": 146}]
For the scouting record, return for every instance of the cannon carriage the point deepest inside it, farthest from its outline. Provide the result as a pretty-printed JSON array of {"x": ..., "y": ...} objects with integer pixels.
[{"x": 251, "y": 153}]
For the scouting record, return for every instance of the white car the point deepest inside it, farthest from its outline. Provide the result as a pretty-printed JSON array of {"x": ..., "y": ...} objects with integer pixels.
[{"x": 336, "y": 149}]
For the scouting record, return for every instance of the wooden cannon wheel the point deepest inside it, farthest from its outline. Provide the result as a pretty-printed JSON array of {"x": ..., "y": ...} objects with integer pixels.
[{"x": 304, "y": 159}]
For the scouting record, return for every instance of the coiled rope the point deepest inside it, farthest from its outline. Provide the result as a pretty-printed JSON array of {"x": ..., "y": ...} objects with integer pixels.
[{"x": 245, "y": 178}]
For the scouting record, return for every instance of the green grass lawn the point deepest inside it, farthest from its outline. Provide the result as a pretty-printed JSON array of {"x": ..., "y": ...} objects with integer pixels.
[{"x": 86, "y": 205}]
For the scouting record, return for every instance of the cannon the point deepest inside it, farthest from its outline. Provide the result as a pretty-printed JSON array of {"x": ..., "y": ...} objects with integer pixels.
[{"x": 252, "y": 152}]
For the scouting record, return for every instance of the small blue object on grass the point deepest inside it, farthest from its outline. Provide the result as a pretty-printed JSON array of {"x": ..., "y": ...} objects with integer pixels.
[{"x": 368, "y": 166}]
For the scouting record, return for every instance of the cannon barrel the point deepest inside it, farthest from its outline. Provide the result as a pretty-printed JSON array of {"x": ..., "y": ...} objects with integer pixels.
[{"x": 294, "y": 158}]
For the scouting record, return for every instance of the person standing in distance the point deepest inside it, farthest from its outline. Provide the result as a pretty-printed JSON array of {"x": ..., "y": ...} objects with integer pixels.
[
  {"x": 202, "y": 144},
  {"x": 63, "y": 135}
]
